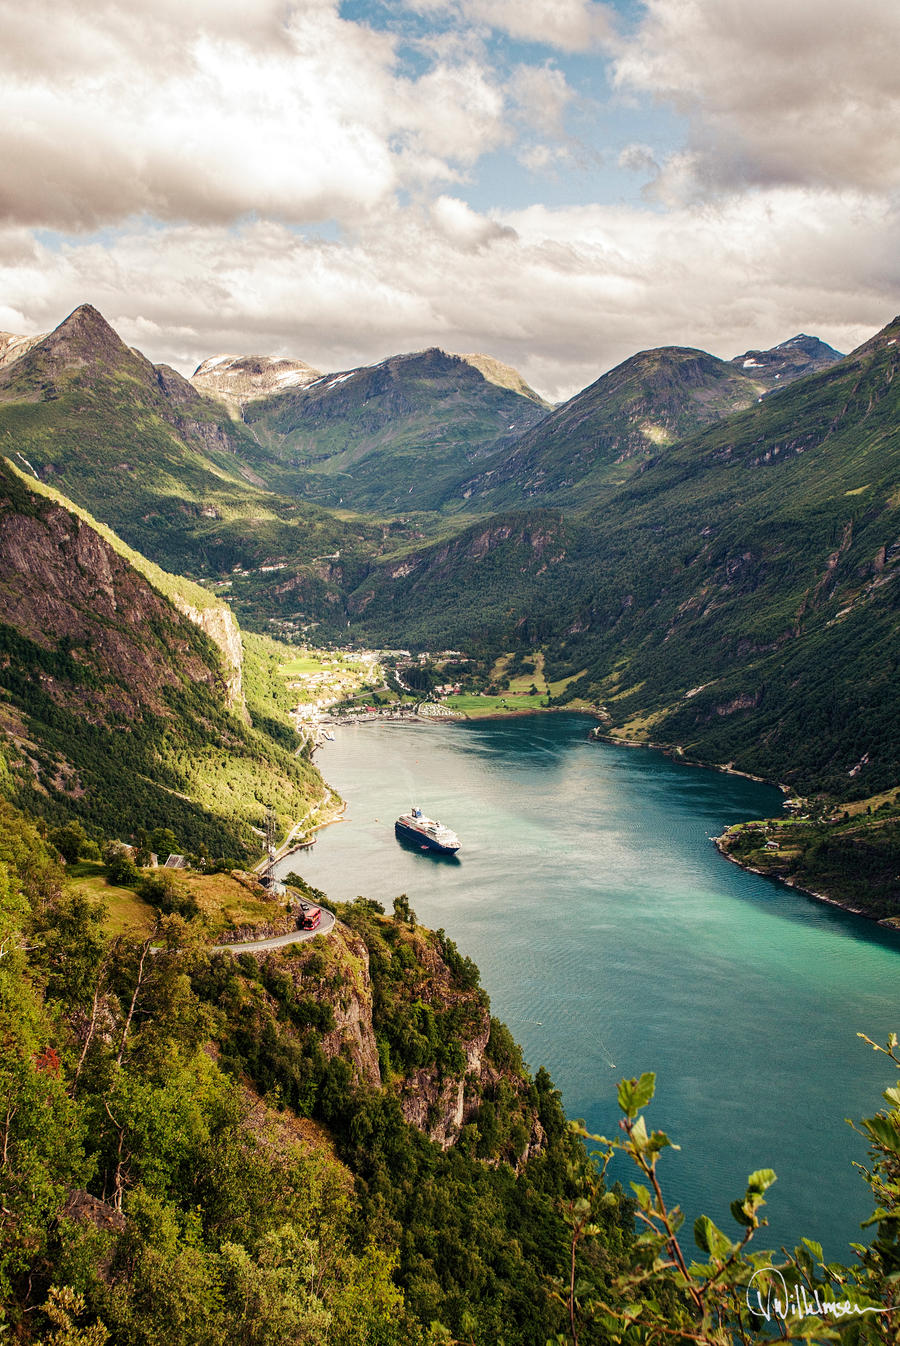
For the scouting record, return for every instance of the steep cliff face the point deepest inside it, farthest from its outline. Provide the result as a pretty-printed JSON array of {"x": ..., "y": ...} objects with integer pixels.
[
  {"x": 334, "y": 973},
  {"x": 431, "y": 1023},
  {"x": 402, "y": 1009},
  {"x": 220, "y": 625},
  {"x": 441, "y": 1104},
  {"x": 64, "y": 583},
  {"x": 113, "y": 702},
  {"x": 354, "y": 1030}
]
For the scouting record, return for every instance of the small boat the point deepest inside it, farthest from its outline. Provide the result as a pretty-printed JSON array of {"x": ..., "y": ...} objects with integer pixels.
[{"x": 426, "y": 832}]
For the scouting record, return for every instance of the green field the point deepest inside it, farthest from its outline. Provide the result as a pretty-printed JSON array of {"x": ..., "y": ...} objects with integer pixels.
[
  {"x": 126, "y": 912},
  {"x": 474, "y": 706},
  {"x": 224, "y": 901},
  {"x": 304, "y": 663}
]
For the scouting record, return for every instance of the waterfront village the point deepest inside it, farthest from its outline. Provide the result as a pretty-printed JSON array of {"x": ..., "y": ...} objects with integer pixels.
[{"x": 344, "y": 686}]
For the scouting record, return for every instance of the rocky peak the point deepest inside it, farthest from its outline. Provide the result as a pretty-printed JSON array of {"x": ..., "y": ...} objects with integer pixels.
[
  {"x": 83, "y": 340},
  {"x": 504, "y": 376},
  {"x": 789, "y": 360},
  {"x": 236, "y": 379},
  {"x": 13, "y": 347}
]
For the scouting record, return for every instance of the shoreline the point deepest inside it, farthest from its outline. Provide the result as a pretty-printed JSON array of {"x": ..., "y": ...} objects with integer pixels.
[
  {"x": 885, "y": 922},
  {"x": 674, "y": 752},
  {"x": 461, "y": 716},
  {"x": 678, "y": 754}
]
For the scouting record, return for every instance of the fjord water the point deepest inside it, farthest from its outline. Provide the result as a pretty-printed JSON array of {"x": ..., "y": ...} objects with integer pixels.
[{"x": 613, "y": 938}]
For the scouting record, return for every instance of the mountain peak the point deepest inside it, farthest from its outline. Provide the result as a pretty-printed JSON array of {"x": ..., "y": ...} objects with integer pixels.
[
  {"x": 504, "y": 376},
  {"x": 789, "y": 360},
  {"x": 83, "y": 338},
  {"x": 236, "y": 379}
]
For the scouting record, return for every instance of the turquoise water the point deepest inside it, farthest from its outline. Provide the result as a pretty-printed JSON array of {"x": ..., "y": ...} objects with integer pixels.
[{"x": 613, "y": 938}]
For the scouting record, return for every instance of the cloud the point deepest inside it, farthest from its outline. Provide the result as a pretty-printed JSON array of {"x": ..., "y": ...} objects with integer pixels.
[
  {"x": 172, "y": 163},
  {"x": 464, "y": 228},
  {"x": 209, "y": 112},
  {"x": 798, "y": 94},
  {"x": 562, "y": 294},
  {"x": 541, "y": 97}
]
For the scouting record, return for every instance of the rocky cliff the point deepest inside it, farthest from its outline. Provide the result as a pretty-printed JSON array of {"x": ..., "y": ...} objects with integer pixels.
[
  {"x": 220, "y": 625},
  {"x": 401, "y": 1007}
]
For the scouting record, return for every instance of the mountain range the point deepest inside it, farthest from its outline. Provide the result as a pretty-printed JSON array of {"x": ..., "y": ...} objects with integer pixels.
[{"x": 706, "y": 547}]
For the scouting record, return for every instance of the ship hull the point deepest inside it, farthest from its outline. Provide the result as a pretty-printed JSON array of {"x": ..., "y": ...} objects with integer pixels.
[{"x": 417, "y": 838}]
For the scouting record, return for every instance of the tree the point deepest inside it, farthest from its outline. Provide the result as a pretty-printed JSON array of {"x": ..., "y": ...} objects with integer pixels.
[
  {"x": 70, "y": 840},
  {"x": 402, "y": 910},
  {"x": 730, "y": 1294}
]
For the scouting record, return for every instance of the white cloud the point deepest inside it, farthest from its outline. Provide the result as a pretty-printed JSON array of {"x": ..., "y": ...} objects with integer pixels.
[
  {"x": 195, "y": 138},
  {"x": 799, "y": 93},
  {"x": 464, "y": 228},
  {"x": 541, "y": 96},
  {"x": 208, "y": 112},
  {"x": 562, "y": 294}
]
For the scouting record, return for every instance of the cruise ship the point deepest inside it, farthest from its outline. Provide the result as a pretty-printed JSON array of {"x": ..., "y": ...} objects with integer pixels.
[{"x": 425, "y": 832}]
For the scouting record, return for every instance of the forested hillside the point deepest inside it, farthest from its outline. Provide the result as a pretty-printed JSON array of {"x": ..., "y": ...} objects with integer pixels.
[
  {"x": 730, "y": 592},
  {"x": 167, "y": 468},
  {"x": 206, "y": 1149},
  {"x": 737, "y": 597},
  {"x": 393, "y": 436},
  {"x": 117, "y": 709}
]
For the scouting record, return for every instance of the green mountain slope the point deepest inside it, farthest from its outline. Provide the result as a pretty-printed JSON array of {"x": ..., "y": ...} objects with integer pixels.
[
  {"x": 393, "y": 436},
  {"x": 601, "y": 436},
  {"x": 117, "y": 708},
  {"x": 168, "y": 469},
  {"x": 737, "y": 597}
]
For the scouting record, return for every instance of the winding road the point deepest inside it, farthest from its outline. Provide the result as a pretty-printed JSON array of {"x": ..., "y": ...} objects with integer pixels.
[{"x": 325, "y": 927}]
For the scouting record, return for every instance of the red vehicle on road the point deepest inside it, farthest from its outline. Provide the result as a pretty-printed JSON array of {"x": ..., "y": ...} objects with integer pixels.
[{"x": 309, "y": 916}]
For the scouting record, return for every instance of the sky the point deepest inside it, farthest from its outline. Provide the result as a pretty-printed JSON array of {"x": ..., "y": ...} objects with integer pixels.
[{"x": 557, "y": 183}]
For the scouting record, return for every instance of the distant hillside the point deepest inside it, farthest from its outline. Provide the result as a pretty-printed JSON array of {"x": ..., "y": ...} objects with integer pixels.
[
  {"x": 788, "y": 361},
  {"x": 13, "y": 347},
  {"x": 738, "y": 596},
  {"x": 495, "y": 371},
  {"x": 729, "y": 589},
  {"x": 393, "y": 436},
  {"x": 167, "y": 468},
  {"x": 118, "y": 708},
  {"x": 602, "y": 435}
]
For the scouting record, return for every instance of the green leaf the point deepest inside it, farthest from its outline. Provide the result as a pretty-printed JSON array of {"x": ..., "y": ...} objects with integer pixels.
[
  {"x": 814, "y": 1248},
  {"x": 638, "y": 1135},
  {"x": 741, "y": 1215},
  {"x": 636, "y": 1094},
  {"x": 659, "y": 1140},
  {"x": 710, "y": 1239},
  {"x": 761, "y": 1180},
  {"x": 644, "y": 1199},
  {"x": 883, "y": 1132}
]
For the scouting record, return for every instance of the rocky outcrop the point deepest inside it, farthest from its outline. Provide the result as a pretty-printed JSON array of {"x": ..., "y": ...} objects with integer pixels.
[
  {"x": 442, "y": 1105},
  {"x": 336, "y": 973},
  {"x": 353, "y": 1033},
  {"x": 236, "y": 379},
  {"x": 64, "y": 582},
  {"x": 218, "y": 622}
]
